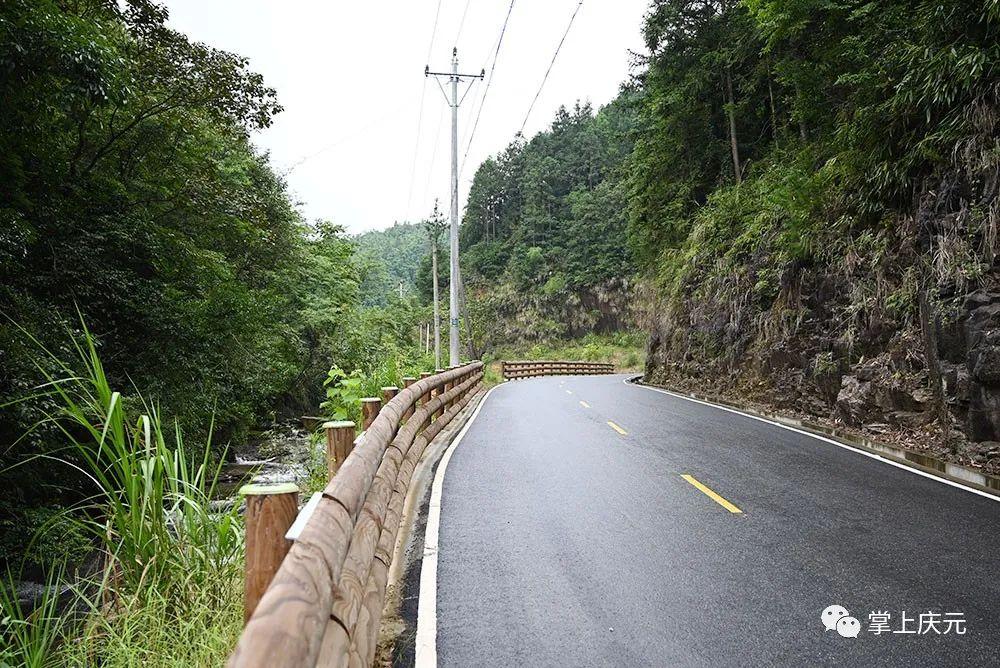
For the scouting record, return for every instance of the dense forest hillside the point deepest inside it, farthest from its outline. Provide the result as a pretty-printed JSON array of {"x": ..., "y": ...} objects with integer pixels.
[
  {"x": 133, "y": 204},
  {"x": 390, "y": 257},
  {"x": 543, "y": 240},
  {"x": 814, "y": 198}
]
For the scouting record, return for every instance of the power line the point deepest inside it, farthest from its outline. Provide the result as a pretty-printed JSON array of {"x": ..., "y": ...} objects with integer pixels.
[
  {"x": 461, "y": 24},
  {"x": 486, "y": 90},
  {"x": 354, "y": 134},
  {"x": 554, "y": 56},
  {"x": 420, "y": 113},
  {"x": 416, "y": 147},
  {"x": 476, "y": 104},
  {"x": 430, "y": 170},
  {"x": 437, "y": 14}
]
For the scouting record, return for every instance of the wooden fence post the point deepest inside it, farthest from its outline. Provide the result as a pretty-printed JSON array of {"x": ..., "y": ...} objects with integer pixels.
[
  {"x": 339, "y": 443},
  {"x": 370, "y": 406},
  {"x": 387, "y": 394},
  {"x": 407, "y": 381},
  {"x": 271, "y": 509},
  {"x": 447, "y": 387},
  {"x": 426, "y": 395},
  {"x": 435, "y": 392}
]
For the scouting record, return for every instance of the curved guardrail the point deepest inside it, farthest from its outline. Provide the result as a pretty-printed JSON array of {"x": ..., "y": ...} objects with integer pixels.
[
  {"x": 532, "y": 368},
  {"x": 324, "y": 604}
]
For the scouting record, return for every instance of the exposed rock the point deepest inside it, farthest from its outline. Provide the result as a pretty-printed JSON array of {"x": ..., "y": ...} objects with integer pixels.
[
  {"x": 824, "y": 350},
  {"x": 956, "y": 382},
  {"x": 982, "y": 331},
  {"x": 951, "y": 340},
  {"x": 855, "y": 400},
  {"x": 878, "y": 428},
  {"x": 923, "y": 398},
  {"x": 989, "y": 448},
  {"x": 911, "y": 419},
  {"x": 987, "y": 365},
  {"x": 827, "y": 374}
]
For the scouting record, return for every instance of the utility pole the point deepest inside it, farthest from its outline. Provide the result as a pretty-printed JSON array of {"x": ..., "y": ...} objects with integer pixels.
[
  {"x": 434, "y": 227},
  {"x": 454, "y": 78},
  {"x": 437, "y": 316}
]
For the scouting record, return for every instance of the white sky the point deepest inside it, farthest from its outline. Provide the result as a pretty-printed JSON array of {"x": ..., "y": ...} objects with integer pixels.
[{"x": 350, "y": 75}]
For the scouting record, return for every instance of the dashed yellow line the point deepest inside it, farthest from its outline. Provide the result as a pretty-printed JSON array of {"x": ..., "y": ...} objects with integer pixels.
[
  {"x": 617, "y": 428},
  {"x": 585, "y": 404},
  {"x": 712, "y": 495}
]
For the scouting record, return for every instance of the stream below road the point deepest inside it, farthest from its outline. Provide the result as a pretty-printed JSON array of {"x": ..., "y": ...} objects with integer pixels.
[{"x": 281, "y": 454}]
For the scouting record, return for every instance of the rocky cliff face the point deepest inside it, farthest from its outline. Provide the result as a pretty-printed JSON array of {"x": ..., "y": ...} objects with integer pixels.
[{"x": 842, "y": 341}]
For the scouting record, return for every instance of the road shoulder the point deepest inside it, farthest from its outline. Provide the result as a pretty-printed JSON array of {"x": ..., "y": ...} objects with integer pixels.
[{"x": 398, "y": 636}]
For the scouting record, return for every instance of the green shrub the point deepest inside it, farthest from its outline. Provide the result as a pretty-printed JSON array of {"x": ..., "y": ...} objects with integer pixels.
[{"x": 343, "y": 395}]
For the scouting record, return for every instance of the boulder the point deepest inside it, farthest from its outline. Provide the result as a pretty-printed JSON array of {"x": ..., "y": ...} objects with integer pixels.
[
  {"x": 984, "y": 413},
  {"x": 923, "y": 398},
  {"x": 855, "y": 401},
  {"x": 910, "y": 419},
  {"x": 987, "y": 367}
]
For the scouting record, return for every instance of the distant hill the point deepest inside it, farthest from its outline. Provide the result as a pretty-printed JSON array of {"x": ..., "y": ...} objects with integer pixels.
[{"x": 391, "y": 255}]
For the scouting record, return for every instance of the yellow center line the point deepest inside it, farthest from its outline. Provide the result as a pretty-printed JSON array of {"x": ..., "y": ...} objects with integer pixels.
[
  {"x": 712, "y": 495},
  {"x": 617, "y": 428},
  {"x": 585, "y": 404}
]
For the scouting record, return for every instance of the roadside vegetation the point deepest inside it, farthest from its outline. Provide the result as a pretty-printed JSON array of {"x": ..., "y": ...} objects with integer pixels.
[
  {"x": 161, "y": 299},
  {"x": 133, "y": 201},
  {"x": 162, "y": 578}
]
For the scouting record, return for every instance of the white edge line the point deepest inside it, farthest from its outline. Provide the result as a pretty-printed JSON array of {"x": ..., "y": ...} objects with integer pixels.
[
  {"x": 870, "y": 455},
  {"x": 426, "y": 642}
]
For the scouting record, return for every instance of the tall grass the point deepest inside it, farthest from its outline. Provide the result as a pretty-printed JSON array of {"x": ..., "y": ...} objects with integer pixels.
[
  {"x": 29, "y": 634},
  {"x": 157, "y": 628},
  {"x": 169, "y": 560},
  {"x": 153, "y": 499}
]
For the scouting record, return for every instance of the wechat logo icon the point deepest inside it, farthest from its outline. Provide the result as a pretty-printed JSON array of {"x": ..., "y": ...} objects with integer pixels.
[{"x": 837, "y": 618}]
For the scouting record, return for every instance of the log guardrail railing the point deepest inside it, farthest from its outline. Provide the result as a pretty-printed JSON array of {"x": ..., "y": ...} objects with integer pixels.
[
  {"x": 323, "y": 606},
  {"x": 531, "y": 368}
]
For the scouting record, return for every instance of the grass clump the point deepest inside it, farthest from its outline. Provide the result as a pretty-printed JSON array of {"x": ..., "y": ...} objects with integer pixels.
[
  {"x": 168, "y": 588},
  {"x": 197, "y": 627},
  {"x": 30, "y": 634}
]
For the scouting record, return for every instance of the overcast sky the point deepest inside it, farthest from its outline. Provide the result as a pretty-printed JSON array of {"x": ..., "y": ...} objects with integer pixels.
[{"x": 350, "y": 77}]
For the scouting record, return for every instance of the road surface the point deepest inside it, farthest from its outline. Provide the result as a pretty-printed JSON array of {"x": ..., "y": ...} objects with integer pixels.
[{"x": 589, "y": 522}]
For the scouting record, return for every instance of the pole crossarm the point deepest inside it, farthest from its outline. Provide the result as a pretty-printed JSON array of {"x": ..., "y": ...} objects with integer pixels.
[{"x": 428, "y": 73}]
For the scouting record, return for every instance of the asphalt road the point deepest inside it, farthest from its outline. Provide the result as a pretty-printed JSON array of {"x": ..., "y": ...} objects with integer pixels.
[{"x": 564, "y": 542}]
